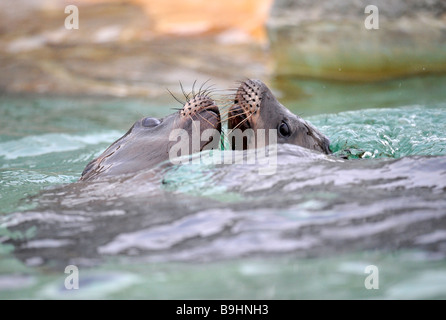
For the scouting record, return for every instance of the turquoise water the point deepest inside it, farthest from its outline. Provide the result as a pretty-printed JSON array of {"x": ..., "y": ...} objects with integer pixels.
[
  {"x": 390, "y": 133},
  {"x": 45, "y": 142},
  {"x": 405, "y": 275}
]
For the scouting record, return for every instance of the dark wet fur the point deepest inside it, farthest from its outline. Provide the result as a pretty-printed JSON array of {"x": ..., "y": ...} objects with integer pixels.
[
  {"x": 143, "y": 147},
  {"x": 254, "y": 106}
]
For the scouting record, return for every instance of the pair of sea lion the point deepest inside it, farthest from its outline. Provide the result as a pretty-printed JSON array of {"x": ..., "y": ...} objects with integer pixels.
[{"x": 254, "y": 109}]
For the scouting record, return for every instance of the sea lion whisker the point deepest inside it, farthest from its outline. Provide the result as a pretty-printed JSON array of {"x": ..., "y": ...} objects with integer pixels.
[
  {"x": 231, "y": 108},
  {"x": 219, "y": 91},
  {"x": 224, "y": 107},
  {"x": 201, "y": 87},
  {"x": 212, "y": 125},
  {"x": 193, "y": 89},
  {"x": 241, "y": 122},
  {"x": 182, "y": 103},
  {"x": 212, "y": 89},
  {"x": 232, "y": 117},
  {"x": 234, "y": 108},
  {"x": 240, "y": 83},
  {"x": 209, "y": 96},
  {"x": 184, "y": 92},
  {"x": 216, "y": 89},
  {"x": 211, "y": 113},
  {"x": 208, "y": 90},
  {"x": 211, "y": 106},
  {"x": 226, "y": 99},
  {"x": 226, "y": 102},
  {"x": 210, "y": 86}
]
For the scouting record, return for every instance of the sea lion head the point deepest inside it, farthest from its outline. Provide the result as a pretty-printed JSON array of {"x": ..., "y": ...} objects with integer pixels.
[
  {"x": 255, "y": 107},
  {"x": 149, "y": 140}
]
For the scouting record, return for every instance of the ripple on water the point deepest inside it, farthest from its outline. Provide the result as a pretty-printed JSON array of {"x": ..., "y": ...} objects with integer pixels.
[
  {"x": 32, "y": 146},
  {"x": 94, "y": 286},
  {"x": 386, "y": 133},
  {"x": 24, "y": 177}
]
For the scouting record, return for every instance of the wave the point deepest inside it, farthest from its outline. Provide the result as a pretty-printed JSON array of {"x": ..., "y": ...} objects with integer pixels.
[{"x": 32, "y": 146}]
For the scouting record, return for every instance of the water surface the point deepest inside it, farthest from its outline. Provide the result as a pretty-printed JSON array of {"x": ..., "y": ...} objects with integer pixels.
[{"x": 215, "y": 231}]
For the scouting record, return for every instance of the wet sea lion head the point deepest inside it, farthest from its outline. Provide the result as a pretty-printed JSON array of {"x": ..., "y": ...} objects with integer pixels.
[
  {"x": 150, "y": 139},
  {"x": 255, "y": 107}
]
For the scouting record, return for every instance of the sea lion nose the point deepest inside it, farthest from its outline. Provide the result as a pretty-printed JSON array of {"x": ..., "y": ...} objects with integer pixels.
[{"x": 150, "y": 122}]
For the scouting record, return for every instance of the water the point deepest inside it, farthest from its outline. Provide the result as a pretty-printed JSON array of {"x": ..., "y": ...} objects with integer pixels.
[{"x": 215, "y": 231}]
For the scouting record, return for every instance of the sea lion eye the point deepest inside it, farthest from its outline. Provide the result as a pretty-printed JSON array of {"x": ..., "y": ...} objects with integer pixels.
[
  {"x": 150, "y": 122},
  {"x": 284, "y": 129}
]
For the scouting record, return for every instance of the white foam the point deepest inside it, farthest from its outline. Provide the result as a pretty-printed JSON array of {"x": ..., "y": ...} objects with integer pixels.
[{"x": 32, "y": 146}]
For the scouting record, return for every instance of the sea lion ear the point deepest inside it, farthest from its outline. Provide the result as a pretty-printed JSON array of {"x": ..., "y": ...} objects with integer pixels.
[{"x": 150, "y": 122}]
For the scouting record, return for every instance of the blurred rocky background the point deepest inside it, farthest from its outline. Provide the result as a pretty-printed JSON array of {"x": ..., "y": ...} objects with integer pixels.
[
  {"x": 140, "y": 47},
  {"x": 328, "y": 38}
]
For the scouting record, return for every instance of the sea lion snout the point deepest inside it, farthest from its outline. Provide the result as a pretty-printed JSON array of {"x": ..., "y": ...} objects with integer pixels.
[
  {"x": 203, "y": 109},
  {"x": 246, "y": 105},
  {"x": 197, "y": 104},
  {"x": 255, "y": 107}
]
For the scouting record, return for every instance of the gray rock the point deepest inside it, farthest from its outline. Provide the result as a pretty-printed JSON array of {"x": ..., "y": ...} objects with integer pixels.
[{"x": 328, "y": 39}]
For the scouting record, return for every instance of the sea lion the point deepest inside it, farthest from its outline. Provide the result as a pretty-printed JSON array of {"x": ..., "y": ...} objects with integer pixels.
[
  {"x": 255, "y": 107},
  {"x": 149, "y": 140}
]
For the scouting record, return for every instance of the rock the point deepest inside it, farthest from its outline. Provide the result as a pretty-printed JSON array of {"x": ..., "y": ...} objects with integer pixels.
[
  {"x": 328, "y": 39},
  {"x": 128, "y": 48}
]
